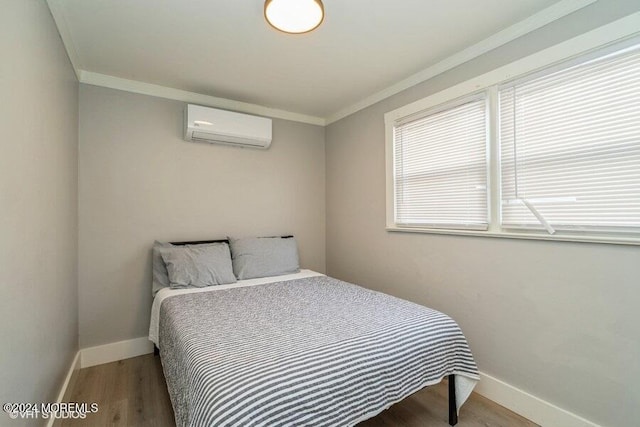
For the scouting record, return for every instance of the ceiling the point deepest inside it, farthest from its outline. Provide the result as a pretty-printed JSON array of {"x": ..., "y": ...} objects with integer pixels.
[{"x": 224, "y": 48}]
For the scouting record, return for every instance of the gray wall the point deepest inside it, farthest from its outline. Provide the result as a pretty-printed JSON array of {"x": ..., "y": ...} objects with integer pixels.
[
  {"x": 140, "y": 181},
  {"x": 558, "y": 320},
  {"x": 38, "y": 203}
]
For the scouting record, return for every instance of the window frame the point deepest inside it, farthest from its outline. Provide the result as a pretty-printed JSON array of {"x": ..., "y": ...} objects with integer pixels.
[
  {"x": 613, "y": 36},
  {"x": 451, "y": 104}
]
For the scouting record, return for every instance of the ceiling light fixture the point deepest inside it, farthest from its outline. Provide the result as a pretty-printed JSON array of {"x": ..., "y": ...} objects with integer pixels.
[{"x": 294, "y": 16}]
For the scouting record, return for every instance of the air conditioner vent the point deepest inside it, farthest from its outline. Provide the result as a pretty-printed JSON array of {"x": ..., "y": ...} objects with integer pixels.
[{"x": 204, "y": 124}]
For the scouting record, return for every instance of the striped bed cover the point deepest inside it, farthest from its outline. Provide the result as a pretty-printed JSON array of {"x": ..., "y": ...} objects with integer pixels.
[{"x": 309, "y": 352}]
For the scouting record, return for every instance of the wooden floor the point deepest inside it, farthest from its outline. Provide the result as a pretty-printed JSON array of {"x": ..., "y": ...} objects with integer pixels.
[{"x": 133, "y": 392}]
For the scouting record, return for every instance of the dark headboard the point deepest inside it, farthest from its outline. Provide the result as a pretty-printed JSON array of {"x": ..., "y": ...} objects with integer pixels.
[{"x": 202, "y": 242}]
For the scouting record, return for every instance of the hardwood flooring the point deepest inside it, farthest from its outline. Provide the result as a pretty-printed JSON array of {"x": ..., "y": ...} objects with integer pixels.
[
  {"x": 129, "y": 392},
  {"x": 133, "y": 392}
]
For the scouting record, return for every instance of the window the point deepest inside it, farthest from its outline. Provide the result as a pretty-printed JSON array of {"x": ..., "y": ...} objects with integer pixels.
[
  {"x": 570, "y": 146},
  {"x": 441, "y": 167},
  {"x": 552, "y": 154}
]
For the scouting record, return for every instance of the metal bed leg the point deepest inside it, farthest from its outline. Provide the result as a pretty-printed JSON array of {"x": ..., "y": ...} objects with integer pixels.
[{"x": 453, "y": 410}]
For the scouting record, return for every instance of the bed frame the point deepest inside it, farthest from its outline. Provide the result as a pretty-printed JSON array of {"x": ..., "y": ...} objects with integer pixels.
[{"x": 453, "y": 410}]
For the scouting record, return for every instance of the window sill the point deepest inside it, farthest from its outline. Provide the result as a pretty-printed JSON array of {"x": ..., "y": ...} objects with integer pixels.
[{"x": 608, "y": 239}]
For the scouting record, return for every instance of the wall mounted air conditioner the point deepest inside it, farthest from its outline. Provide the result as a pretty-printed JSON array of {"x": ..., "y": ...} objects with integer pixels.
[{"x": 226, "y": 127}]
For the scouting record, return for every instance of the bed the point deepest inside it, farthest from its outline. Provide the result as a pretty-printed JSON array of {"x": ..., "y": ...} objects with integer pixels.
[
  {"x": 273, "y": 345},
  {"x": 302, "y": 349}
]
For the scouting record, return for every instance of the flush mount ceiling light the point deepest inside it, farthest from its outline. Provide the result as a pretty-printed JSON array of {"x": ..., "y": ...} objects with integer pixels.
[{"x": 294, "y": 16}]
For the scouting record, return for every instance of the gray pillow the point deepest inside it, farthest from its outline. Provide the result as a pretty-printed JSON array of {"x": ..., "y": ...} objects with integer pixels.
[
  {"x": 159, "y": 270},
  {"x": 264, "y": 256},
  {"x": 198, "y": 265}
]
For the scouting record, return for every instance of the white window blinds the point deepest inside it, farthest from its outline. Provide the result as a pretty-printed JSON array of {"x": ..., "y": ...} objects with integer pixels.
[
  {"x": 440, "y": 167},
  {"x": 570, "y": 147}
]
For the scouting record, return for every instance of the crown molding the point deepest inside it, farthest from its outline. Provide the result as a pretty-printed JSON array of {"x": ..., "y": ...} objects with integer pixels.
[
  {"x": 65, "y": 34},
  {"x": 96, "y": 79},
  {"x": 532, "y": 23}
]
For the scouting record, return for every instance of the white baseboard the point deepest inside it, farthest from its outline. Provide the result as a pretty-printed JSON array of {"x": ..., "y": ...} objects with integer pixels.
[
  {"x": 75, "y": 365},
  {"x": 531, "y": 407},
  {"x": 112, "y": 352}
]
